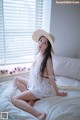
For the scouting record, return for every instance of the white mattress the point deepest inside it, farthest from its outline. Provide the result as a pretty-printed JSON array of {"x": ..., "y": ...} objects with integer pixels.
[{"x": 56, "y": 108}]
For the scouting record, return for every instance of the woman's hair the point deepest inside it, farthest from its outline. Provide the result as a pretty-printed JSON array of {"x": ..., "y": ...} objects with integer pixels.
[{"x": 47, "y": 55}]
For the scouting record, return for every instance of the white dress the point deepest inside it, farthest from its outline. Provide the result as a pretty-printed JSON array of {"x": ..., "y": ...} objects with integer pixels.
[{"x": 39, "y": 87}]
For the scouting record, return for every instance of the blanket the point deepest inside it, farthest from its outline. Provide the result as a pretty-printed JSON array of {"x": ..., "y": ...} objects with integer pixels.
[{"x": 56, "y": 107}]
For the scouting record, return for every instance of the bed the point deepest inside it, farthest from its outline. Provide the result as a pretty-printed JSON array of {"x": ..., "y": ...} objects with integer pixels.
[{"x": 56, "y": 108}]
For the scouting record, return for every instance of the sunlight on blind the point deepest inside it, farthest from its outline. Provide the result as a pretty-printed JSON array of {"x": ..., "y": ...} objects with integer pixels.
[
  {"x": 18, "y": 20},
  {"x": 2, "y": 49}
]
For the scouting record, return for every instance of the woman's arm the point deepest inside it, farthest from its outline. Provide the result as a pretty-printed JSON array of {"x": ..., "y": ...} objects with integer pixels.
[{"x": 52, "y": 77}]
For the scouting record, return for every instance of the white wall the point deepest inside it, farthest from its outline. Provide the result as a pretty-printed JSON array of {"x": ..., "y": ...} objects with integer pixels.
[{"x": 65, "y": 26}]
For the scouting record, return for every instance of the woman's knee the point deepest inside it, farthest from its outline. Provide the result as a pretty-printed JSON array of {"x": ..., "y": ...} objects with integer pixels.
[{"x": 16, "y": 79}]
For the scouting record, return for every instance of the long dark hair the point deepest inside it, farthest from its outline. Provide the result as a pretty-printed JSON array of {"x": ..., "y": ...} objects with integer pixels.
[{"x": 47, "y": 54}]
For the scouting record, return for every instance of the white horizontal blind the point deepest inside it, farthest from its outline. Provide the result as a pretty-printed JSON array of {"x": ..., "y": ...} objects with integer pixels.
[
  {"x": 2, "y": 49},
  {"x": 18, "y": 20}
]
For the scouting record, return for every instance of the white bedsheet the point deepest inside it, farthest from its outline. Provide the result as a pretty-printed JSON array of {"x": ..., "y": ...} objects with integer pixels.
[{"x": 56, "y": 108}]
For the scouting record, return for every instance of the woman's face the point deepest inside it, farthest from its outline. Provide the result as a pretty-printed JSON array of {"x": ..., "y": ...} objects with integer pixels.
[{"x": 43, "y": 44}]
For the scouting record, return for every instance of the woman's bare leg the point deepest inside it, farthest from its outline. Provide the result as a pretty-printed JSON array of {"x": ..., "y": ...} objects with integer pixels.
[
  {"x": 22, "y": 86},
  {"x": 21, "y": 83},
  {"x": 20, "y": 101}
]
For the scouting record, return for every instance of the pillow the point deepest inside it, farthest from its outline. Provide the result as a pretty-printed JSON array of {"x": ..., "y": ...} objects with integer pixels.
[
  {"x": 67, "y": 83},
  {"x": 65, "y": 66}
]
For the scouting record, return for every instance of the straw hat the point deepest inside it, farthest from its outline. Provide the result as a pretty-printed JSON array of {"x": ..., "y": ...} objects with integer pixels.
[{"x": 38, "y": 33}]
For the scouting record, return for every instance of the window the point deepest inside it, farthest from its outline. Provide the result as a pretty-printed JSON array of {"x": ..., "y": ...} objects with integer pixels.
[{"x": 18, "y": 20}]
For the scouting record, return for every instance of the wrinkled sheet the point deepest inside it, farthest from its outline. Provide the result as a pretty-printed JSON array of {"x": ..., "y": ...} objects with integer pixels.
[{"x": 56, "y": 107}]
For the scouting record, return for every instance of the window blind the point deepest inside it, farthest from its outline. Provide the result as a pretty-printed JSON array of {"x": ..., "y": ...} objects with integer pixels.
[
  {"x": 18, "y": 20},
  {"x": 2, "y": 49}
]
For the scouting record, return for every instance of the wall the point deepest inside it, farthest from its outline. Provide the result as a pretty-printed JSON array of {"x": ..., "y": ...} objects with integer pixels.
[{"x": 65, "y": 26}]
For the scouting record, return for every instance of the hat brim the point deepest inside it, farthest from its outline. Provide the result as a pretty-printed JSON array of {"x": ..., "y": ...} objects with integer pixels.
[{"x": 38, "y": 33}]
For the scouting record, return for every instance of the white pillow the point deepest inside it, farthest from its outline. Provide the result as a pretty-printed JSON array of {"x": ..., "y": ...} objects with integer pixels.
[
  {"x": 64, "y": 81},
  {"x": 67, "y": 83},
  {"x": 65, "y": 66}
]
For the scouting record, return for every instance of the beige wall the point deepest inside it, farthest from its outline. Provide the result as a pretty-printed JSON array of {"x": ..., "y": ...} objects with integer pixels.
[{"x": 65, "y": 25}]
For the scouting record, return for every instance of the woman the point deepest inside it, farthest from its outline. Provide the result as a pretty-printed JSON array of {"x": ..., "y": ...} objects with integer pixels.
[{"x": 42, "y": 77}]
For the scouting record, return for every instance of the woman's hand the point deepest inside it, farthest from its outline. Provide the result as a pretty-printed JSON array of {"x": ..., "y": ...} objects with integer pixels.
[{"x": 61, "y": 94}]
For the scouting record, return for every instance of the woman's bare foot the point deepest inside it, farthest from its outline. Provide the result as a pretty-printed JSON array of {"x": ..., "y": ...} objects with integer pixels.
[
  {"x": 42, "y": 116},
  {"x": 31, "y": 102}
]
